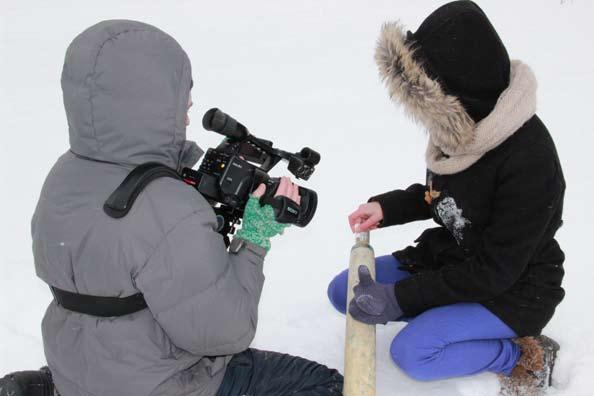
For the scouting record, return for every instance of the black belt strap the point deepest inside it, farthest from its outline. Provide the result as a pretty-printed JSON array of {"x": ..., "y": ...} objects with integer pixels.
[{"x": 99, "y": 306}]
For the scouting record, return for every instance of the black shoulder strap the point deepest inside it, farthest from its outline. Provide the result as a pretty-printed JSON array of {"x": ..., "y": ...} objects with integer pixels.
[
  {"x": 121, "y": 200},
  {"x": 117, "y": 206}
]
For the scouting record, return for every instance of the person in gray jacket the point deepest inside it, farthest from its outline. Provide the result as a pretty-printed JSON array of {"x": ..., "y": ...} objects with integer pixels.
[{"x": 126, "y": 89}]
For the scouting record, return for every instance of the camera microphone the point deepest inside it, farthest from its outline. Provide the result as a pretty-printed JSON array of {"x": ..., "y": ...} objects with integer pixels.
[{"x": 217, "y": 121}]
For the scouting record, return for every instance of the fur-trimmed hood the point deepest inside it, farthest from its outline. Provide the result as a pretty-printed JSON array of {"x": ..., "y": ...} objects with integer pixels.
[
  {"x": 456, "y": 141},
  {"x": 422, "y": 97}
]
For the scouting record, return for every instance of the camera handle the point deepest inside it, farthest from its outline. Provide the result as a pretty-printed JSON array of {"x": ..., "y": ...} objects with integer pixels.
[
  {"x": 286, "y": 210},
  {"x": 301, "y": 164}
]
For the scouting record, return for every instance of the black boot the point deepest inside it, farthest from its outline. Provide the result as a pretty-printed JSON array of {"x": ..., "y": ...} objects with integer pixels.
[{"x": 27, "y": 383}]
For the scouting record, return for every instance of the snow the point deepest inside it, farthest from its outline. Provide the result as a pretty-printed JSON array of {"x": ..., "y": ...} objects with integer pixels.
[
  {"x": 452, "y": 218},
  {"x": 300, "y": 73}
]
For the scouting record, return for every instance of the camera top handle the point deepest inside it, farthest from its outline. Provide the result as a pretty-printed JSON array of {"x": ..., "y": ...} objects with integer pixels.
[{"x": 260, "y": 151}]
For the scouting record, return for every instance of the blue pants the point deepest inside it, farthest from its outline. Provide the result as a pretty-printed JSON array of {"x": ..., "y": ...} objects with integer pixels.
[{"x": 443, "y": 342}]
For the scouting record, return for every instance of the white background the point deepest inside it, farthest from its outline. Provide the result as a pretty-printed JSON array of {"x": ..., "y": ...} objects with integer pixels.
[{"x": 300, "y": 73}]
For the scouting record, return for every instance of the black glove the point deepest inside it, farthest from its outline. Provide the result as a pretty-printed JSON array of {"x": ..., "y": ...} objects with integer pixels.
[{"x": 373, "y": 302}]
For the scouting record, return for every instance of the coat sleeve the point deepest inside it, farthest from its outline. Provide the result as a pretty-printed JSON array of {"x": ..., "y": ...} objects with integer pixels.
[
  {"x": 403, "y": 206},
  {"x": 526, "y": 200},
  {"x": 204, "y": 298}
]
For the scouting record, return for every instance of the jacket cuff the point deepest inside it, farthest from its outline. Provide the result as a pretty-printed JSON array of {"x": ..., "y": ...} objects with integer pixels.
[
  {"x": 403, "y": 206},
  {"x": 251, "y": 247},
  {"x": 409, "y": 296}
]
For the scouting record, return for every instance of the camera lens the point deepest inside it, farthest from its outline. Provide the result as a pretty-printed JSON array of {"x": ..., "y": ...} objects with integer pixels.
[{"x": 309, "y": 204}]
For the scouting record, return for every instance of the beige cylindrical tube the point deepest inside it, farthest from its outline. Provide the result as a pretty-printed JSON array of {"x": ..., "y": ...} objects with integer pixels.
[{"x": 359, "y": 355}]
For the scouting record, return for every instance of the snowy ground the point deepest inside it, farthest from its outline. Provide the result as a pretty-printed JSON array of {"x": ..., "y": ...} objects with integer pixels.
[{"x": 301, "y": 73}]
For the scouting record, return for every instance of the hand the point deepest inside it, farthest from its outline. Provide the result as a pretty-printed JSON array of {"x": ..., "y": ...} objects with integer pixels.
[
  {"x": 259, "y": 222},
  {"x": 285, "y": 188},
  {"x": 368, "y": 216},
  {"x": 373, "y": 303}
]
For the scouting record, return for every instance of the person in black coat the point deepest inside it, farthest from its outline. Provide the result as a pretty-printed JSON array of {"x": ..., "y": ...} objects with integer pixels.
[{"x": 478, "y": 289}]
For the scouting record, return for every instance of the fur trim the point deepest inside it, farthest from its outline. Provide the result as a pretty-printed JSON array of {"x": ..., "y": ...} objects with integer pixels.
[
  {"x": 446, "y": 120},
  {"x": 532, "y": 358}
]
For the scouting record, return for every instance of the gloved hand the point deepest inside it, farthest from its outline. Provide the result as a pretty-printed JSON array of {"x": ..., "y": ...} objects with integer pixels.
[
  {"x": 373, "y": 302},
  {"x": 259, "y": 222}
]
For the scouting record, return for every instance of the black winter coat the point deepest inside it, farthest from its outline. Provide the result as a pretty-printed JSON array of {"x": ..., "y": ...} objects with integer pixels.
[{"x": 495, "y": 244}]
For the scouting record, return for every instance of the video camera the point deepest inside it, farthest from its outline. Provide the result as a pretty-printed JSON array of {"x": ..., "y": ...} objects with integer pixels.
[{"x": 227, "y": 175}]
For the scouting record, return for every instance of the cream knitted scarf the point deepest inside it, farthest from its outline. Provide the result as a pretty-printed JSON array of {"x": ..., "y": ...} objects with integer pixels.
[{"x": 515, "y": 106}]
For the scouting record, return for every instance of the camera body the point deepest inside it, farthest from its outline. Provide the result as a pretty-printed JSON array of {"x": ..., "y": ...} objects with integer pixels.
[{"x": 230, "y": 172}]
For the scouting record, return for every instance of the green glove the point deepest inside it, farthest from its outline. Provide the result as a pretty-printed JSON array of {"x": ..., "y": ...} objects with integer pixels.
[{"x": 259, "y": 224}]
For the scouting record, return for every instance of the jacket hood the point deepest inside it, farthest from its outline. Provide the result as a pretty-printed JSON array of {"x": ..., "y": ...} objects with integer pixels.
[
  {"x": 126, "y": 86},
  {"x": 449, "y": 74}
]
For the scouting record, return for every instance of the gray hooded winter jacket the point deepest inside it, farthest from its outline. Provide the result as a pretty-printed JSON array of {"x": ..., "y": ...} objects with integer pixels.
[{"x": 126, "y": 86}]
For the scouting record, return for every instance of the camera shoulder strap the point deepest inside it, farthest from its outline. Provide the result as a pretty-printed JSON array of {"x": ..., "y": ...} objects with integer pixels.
[
  {"x": 121, "y": 200},
  {"x": 117, "y": 206}
]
